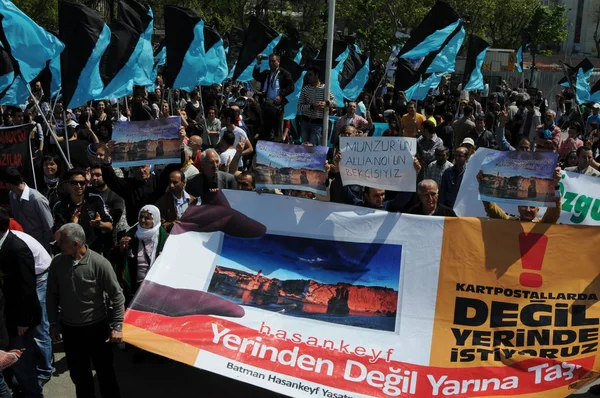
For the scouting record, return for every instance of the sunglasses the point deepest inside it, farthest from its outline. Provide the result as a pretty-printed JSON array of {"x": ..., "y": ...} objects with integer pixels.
[{"x": 76, "y": 182}]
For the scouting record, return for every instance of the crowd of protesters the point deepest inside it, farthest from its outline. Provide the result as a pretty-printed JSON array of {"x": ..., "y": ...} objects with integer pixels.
[{"x": 91, "y": 231}]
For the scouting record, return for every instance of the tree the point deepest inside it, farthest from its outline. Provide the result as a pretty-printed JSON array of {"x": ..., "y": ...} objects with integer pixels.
[
  {"x": 546, "y": 29},
  {"x": 376, "y": 22},
  {"x": 510, "y": 18}
]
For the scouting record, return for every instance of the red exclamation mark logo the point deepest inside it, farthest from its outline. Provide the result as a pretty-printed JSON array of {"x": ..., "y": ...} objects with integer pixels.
[{"x": 533, "y": 247}]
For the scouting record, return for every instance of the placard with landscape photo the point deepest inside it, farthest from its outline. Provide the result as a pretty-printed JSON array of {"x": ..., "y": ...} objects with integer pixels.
[
  {"x": 347, "y": 283},
  {"x": 146, "y": 142},
  {"x": 518, "y": 177},
  {"x": 283, "y": 166}
]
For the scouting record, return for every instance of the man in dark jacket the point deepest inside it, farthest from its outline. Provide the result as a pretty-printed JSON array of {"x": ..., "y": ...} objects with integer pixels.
[
  {"x": 211, "y": 177},
  {"x": 85, "y": 209},
  {"x": 277, "y": 84},
  {"x": 483, "y": 138},
  {"x": 23, "y": 311},
  {"x": 142, "y": 189}
]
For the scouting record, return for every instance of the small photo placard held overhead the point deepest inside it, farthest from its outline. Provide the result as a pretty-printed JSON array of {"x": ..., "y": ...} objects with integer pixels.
[{"x": 379, "y": 162}]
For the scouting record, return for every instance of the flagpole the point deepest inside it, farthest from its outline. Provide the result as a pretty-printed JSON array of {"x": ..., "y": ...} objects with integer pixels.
[
  {"x": 328, "y": 62},
  {"x": 32, "y": 165},
  {"x": 67, "y": 134},
  {"x": 204, "y": 116},
  {"x": 127, "y": 109},
  {"x": 50, "y": 130}
]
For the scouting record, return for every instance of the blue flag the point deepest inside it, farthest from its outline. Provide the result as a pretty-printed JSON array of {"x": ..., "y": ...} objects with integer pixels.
[
  {"x": 473, "y": 78},
  {"x": 445, "y": 59},
  {"x": 129, "y": 55},
  {"x": 353, "y": 89},
  {"x": 85, "y": 41},
  {"x": 216, "y": 58},
  {"x": 144, "y": 75},
  {"x": 29, "y": 44},
  {"x": 159, "y": 59},
  {"x": 334, "y": 86}
]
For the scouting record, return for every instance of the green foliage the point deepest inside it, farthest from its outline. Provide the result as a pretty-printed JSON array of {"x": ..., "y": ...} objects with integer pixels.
[
  {"x": 376, "y": 22},
  {"x": 43, "y": 12},
  {"x": 546, "y": 29}
]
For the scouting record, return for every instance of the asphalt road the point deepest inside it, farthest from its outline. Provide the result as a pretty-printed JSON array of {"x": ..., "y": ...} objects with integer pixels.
[{"x": 142, "y": 374}]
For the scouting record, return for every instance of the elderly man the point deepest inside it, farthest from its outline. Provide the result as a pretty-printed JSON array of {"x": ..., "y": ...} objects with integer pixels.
[
  {"x": 211, "y": 177},
  {"x": 526, "y": 213},
  {"x": 79, "y": 283},
  {"x": 428, "y": 193},
  {"x": 584, "y": 159},
  {"x": 175, "y": 202},
  {"x": 547, "y": 137}
]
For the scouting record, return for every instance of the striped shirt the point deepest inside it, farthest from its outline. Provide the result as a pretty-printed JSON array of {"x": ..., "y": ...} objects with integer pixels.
[{"x": 311, "y": 95}]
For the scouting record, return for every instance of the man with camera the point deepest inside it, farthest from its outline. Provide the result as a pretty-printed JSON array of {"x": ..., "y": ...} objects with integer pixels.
[{"x": 276, "y": 84}]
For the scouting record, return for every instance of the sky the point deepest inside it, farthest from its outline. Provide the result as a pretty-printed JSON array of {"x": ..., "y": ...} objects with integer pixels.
[
  {"x": 490, "y": 164},
  {"x": 155, "y": 129},
  {"x": 286, "y": 258},
  {"x": 294, "y": 156}
]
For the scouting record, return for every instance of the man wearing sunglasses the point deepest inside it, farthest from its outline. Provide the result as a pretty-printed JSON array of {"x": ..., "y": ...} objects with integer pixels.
[{"x": 85, "y": 209}]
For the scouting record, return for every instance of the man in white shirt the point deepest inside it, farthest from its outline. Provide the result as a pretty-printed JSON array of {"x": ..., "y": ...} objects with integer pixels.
[
  {"x": 227, "y": 120},
  {"x": 42, "y": 338},
  {"x": 228, "y": 150}
]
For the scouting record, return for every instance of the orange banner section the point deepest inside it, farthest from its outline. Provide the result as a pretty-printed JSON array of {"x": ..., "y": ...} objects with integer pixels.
[
  {"x": 516, "y": 291},
  {"x": 352, "y": 371}
]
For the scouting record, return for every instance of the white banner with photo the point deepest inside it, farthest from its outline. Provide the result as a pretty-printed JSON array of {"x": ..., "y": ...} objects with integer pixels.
[{"x": 580, "y": 195}]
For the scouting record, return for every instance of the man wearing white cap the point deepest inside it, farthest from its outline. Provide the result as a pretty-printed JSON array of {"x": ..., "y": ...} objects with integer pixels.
[{"x": 594, "y": 117}]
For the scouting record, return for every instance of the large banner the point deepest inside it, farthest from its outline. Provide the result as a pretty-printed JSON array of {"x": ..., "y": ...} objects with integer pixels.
[
  {"x": 14, "y": 152},
  {"x": 580, "y": 195},
  {"x": 518, "y": 177},
  {"x": 283, "y": 166},
  {"x": 318, "y": 299},
  {"x": 139, "y": 143},
  {"x": 379, "y": 162}
]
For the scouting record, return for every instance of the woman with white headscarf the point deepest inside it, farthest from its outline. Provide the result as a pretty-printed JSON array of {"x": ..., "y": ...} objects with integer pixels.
[{"x": 140, "y": 247}]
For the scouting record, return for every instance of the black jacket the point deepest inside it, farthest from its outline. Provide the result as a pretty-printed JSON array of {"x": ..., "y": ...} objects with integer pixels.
[
  {"x": 135, "y": 193},
  {"x": 199, "y": 185},
  {"x": 17, "y": 268},
  {"x": 442, "y": 211},
  {"x": 63, "y": 212},
  {"x": 286, "y": 84}
]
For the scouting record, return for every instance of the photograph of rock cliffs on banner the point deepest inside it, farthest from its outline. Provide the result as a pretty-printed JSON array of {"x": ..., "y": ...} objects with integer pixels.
[
  {"x": 346, "y": 283},
  {"x": 145, "y": 141}
]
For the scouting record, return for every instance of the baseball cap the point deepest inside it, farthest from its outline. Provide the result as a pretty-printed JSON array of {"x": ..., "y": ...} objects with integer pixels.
[
  {"x": 596, "y": 106},
  {"x": 469, "y": 141}
]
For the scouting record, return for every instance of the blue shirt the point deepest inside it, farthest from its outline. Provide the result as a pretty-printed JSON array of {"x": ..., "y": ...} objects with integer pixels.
[
  {"x": 593, "y": 119},
  {"x": 182, "y": 204}
]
